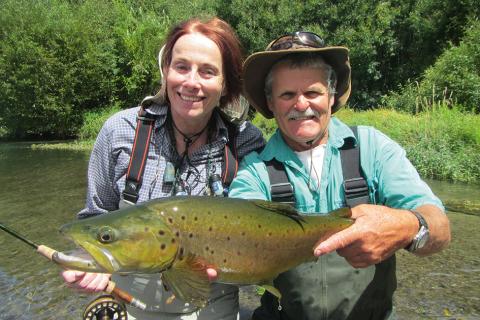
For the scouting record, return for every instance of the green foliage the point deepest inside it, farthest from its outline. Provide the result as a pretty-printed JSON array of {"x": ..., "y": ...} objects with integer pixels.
[
  {"x": 93, "y": 122},
  {"x": 453, "y": 79},
  {"x": 442, "y": 143},
  {"x": 60, "y": 59}
]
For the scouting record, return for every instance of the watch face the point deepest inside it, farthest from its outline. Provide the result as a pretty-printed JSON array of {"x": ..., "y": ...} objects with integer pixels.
[{"x": 422, "y": 239}]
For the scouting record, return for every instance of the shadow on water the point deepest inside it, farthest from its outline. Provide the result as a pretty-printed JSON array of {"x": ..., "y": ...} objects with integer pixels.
[{"x": 41, "y": 190}]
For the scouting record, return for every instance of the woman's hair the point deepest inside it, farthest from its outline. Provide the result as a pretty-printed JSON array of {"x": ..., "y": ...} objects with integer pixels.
[{"x": 225, "y": 38}]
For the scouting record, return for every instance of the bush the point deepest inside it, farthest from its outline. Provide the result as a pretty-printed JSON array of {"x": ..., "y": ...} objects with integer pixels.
[
  {"x": 453, "y": 79},
  {"x": 93, "y": 122}
]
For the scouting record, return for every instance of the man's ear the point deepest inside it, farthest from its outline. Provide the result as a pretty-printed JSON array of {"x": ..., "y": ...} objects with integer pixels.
[
  {"x": 270, "y": 104},
  {"x": 331, "y": 102}
]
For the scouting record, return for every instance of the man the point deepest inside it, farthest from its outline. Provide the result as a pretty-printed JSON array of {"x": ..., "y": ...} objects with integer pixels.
[{"x": 302, "y": 83}]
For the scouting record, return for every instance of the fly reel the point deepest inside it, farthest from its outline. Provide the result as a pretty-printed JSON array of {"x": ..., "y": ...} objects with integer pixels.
[{"x": 105, "y": 307}]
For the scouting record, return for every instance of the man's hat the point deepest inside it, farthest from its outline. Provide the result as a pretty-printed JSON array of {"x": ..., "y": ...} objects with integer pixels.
[{"x": 257, "y": 66}]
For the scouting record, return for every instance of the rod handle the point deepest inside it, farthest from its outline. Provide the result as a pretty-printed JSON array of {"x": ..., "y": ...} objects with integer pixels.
[
  {"x": 124, "y": 296},
  {"x": 46, "y": 252}
]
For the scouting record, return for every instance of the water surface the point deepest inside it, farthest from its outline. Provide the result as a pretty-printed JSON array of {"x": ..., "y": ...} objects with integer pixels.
[{"x": 41, "y": 190}]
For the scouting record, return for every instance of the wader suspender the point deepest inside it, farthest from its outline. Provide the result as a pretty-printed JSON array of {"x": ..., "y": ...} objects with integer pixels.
[
  {"x": 355, "y": 185},
  {"x": 143, "y": 134}
]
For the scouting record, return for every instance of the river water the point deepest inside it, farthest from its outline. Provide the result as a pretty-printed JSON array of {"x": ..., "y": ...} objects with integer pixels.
[{"x": 42, "y": 189}]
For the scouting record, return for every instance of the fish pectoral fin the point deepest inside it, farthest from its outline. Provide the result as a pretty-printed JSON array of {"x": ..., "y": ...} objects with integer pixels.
[
  {"x": 188, "y": 280},
  {"x": 270, "y": 288},
  {"x": 274, "y": 291}
]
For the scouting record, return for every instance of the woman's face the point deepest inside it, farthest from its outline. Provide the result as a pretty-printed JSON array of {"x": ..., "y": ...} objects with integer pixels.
[{"x": 195, "y": 81}]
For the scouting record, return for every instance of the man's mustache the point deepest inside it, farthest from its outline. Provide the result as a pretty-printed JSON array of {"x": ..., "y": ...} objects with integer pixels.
[{"x": 307, "y": 113}]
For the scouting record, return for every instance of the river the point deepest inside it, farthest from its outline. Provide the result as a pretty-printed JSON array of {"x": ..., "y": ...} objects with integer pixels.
[{"x": 42, "y": 189}]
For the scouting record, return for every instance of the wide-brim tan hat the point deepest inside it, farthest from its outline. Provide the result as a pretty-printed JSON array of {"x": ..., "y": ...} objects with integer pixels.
[{"x": 257, "y": 66}]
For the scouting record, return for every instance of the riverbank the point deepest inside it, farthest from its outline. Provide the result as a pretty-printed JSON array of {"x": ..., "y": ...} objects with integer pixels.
[{"x": 443, "y": 143}]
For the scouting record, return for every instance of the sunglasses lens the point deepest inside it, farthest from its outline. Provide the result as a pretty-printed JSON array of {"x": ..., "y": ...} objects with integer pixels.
[
  {"x": 301, "y": 38},
  {"x": 309, "y": 39}
]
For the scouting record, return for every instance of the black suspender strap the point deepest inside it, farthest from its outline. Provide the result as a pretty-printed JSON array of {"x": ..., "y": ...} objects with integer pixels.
[
  {"x": 230, "y": 157},
  {"x": 355, "y": 185},
  {"x": 280, "y": 187},
  {"x": 143, "y": 133}
]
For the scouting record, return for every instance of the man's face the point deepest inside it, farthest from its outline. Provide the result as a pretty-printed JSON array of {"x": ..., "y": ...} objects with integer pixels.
[{"x": 301, "y": 105}]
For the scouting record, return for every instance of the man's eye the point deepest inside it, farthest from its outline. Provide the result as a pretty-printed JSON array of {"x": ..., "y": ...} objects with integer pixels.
[{"x": 287, "y": 95}]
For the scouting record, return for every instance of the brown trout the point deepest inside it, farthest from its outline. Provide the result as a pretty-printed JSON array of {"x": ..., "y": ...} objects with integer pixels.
[{"x": 246, "y": 241}]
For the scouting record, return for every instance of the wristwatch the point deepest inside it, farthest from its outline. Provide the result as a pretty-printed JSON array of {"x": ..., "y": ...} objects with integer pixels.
[{"x": 422, "y": 236}]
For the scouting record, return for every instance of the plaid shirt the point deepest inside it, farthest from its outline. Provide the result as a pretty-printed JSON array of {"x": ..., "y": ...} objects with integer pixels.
[{"x": 111, "y": 155}]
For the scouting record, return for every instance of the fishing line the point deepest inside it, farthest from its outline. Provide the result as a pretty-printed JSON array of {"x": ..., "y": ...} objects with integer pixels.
[{"x": 59, "y": 258}]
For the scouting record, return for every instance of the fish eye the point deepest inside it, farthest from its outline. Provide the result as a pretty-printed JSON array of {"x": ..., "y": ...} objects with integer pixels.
[{"x": 106, "y": 235}]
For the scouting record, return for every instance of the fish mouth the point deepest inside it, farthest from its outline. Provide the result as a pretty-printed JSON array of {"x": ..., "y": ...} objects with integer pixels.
[
  {"x": 102, "y": 257},
  {"x": 77, "y": 259}
]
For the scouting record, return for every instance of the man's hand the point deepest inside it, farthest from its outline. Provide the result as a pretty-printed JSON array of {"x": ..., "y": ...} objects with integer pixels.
[{"x": 377, "y": 233}]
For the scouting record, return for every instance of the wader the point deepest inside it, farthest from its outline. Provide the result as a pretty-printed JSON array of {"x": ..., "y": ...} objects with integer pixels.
[{"x": 330, "y": 288}]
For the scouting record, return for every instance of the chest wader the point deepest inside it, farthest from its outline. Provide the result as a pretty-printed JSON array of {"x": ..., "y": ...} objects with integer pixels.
[
  {"x": 330, "y": 288},
  {"x": 149, "y": 286}
]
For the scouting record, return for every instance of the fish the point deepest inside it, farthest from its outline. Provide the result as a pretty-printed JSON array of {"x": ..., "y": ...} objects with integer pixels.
[{"x": 246, "y": 241}]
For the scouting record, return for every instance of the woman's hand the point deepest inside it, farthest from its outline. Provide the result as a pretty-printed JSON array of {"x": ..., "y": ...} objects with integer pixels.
[{"x": 90, "y": 282}]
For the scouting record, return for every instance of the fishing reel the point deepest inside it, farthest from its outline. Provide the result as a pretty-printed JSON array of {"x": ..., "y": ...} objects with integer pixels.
[{"x": 105, "y": 307}]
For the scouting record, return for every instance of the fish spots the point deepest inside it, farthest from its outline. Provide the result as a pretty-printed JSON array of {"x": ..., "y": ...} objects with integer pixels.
[
  {"x": 243, "y": 233},
  {"x": 224, "y": 260},
  {"x": 177, "y": 234},
  {"x": 228, "y": 238},
  {"x": 225, "y": 217},
  {"x": 210, "y": 229},
  {"x": 259, "y": 226},
  {"x": 163, "y": 246},
  {"x": 161, "y": 232},
  {"x": 269, "y": 234},
  {"x": 212, "y": 252},
  {"x": 183, "y": 217},
  {"x": 190, "y": 235},
  {"x": 256, "y": 244},
  {"x": 195, "y": 218},
  {"x": 209, "y": 212},
  {"x": 173, "y": 240},
  {"x": 239, "y": 253},
  {"x": 207, "y": 248},
  {"x": 146, "y": 229},
  {"x": 170, "y": 220}
]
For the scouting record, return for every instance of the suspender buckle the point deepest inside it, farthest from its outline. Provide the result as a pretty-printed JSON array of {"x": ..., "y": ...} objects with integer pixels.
[
  {"x": 147, "y": 119},
  {"x": 282, "y": 192},
  {"x": 130, "y": 194},
  {"x": 356, "y": 191}
]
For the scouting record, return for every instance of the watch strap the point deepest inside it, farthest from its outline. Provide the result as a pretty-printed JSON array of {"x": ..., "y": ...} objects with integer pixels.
[{"x": 423, "y": 226}]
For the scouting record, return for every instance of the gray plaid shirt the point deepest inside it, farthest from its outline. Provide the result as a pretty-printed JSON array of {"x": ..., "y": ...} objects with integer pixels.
[{"x": 111, "y": 155}]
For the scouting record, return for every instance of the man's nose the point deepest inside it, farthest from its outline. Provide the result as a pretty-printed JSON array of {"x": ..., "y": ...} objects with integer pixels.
[{"x": 302, "y": 103}]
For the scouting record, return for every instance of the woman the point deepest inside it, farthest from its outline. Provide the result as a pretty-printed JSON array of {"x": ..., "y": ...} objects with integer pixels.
[{"x": 201, "y": 64}]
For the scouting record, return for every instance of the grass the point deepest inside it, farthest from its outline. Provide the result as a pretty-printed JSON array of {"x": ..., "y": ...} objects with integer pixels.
[{"x": 442, "y": 142}]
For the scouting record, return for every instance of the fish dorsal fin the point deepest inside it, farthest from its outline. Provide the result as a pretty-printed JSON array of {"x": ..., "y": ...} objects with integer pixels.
[
  {"x": 188, "y": 280},
  {"x": 280, "y": 208}
]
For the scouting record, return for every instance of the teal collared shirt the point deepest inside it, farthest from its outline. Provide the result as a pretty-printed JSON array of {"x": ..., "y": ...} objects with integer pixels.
[
  {"x": 330, "y": 288},
  {"x": 392, "y": 179}
]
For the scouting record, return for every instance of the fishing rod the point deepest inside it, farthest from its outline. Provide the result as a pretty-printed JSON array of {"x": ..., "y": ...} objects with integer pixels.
[{"x": 60, "y": 258}]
